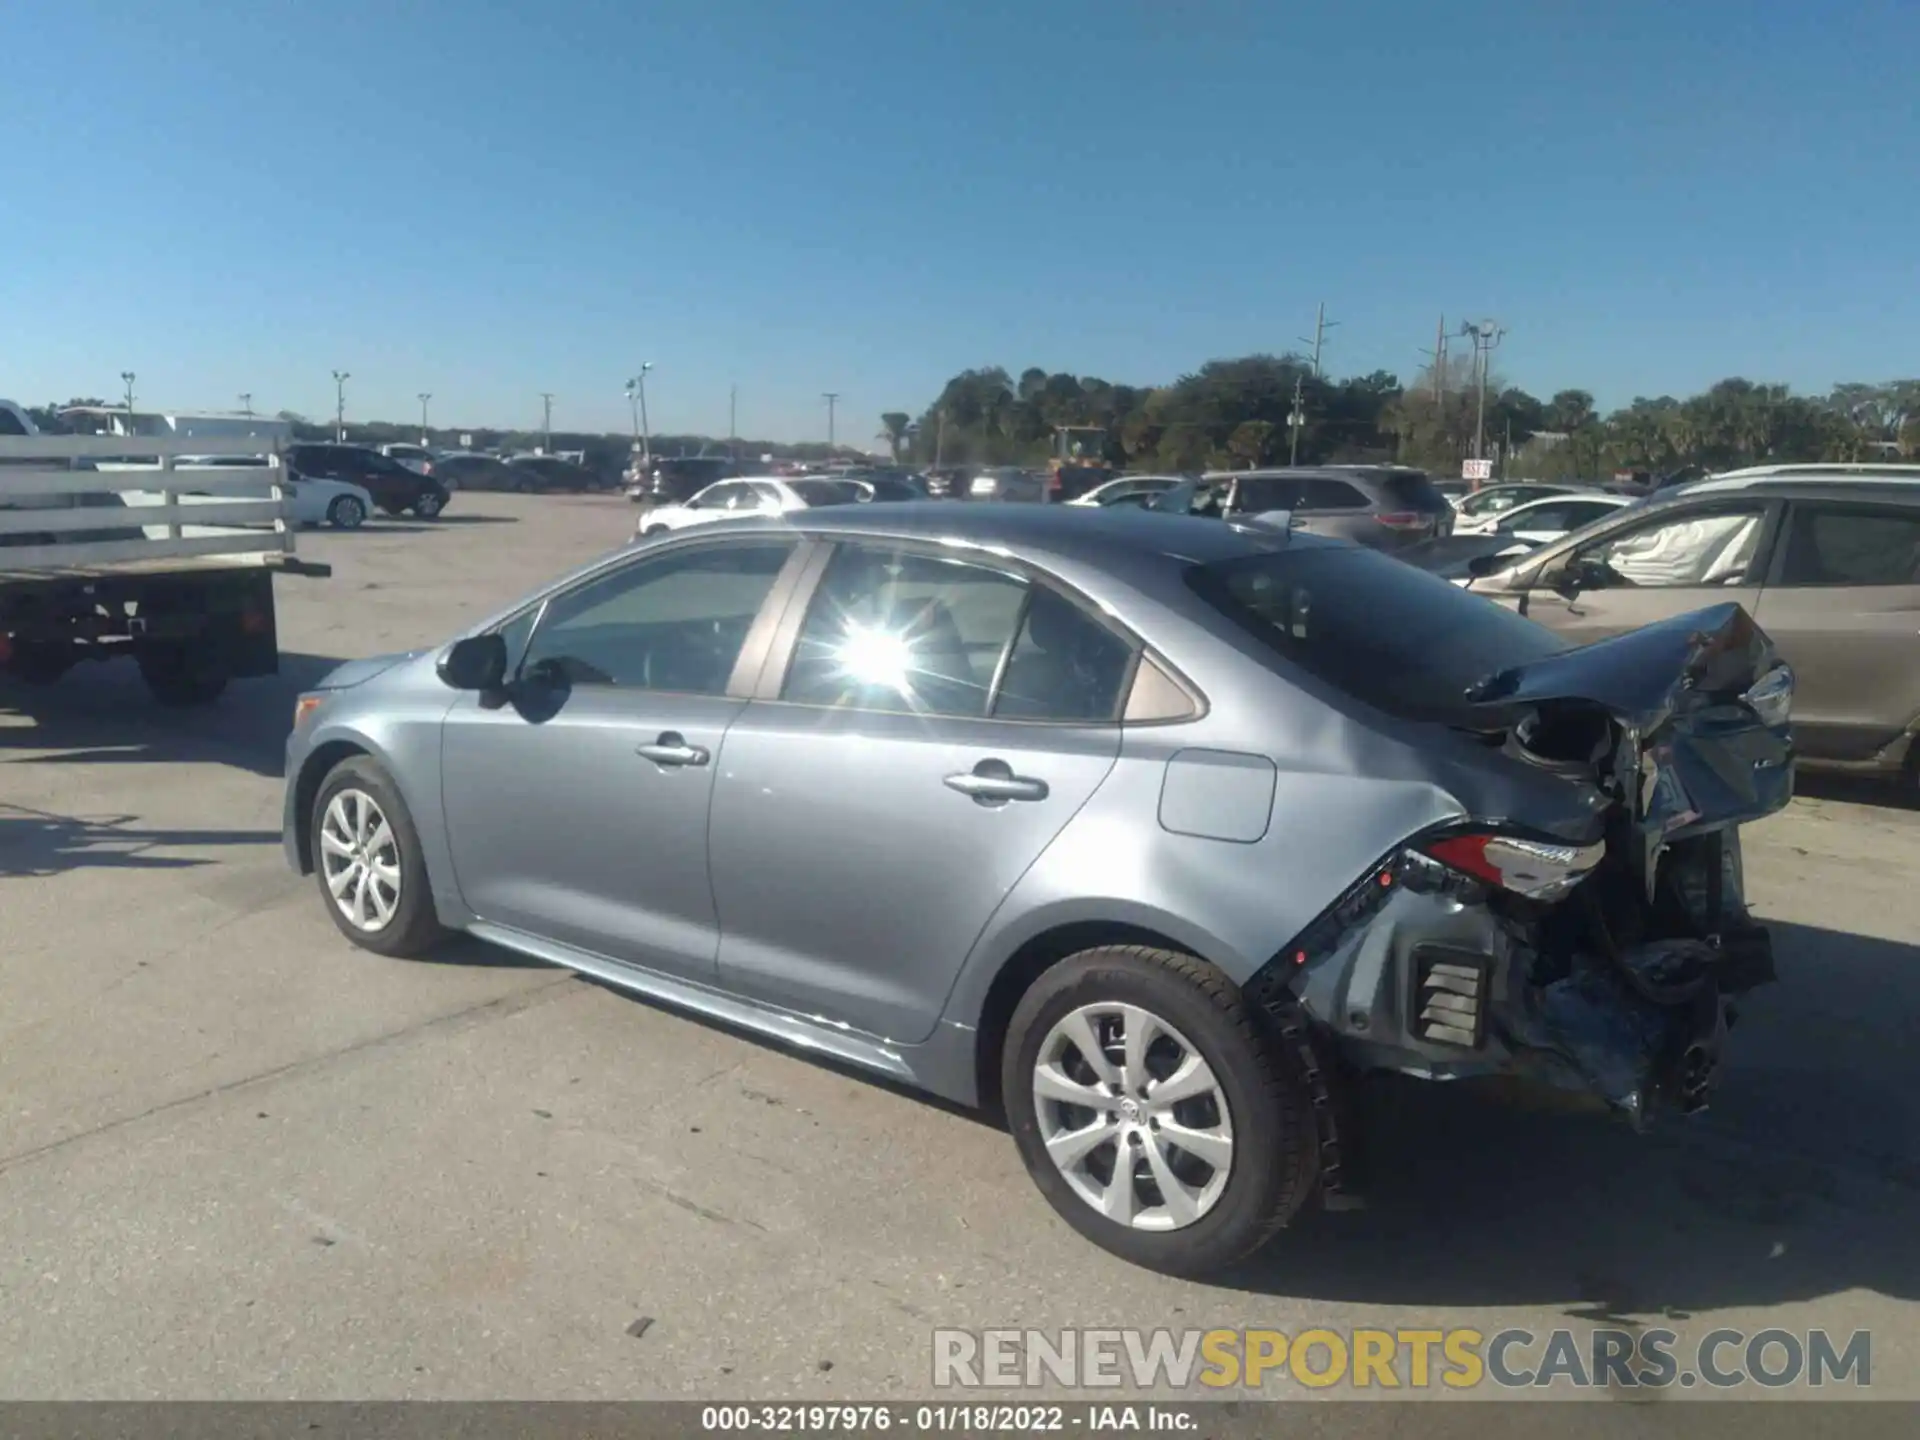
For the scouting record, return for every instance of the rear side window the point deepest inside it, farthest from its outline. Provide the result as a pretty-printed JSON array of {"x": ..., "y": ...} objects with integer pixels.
[
  {"x": 1331, "y": 495},
  {"x": 825, "y": 492},
  {"x": 1854, "y": 545},
  {"x": 1065, "y": 666},
  {"x": 10, "y": 424},
  {"x": 1402, "y": 640}
]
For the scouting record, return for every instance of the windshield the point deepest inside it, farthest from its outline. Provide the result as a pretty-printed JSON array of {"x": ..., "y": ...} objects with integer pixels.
[{"x": 1402, "y": 640}]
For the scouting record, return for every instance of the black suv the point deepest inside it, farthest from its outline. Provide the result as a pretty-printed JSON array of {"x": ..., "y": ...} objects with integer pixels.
[{"x": 395, "y": 489}]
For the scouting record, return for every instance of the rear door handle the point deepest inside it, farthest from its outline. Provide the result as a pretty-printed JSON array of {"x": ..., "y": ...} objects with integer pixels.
[
  {"x": 672, "y": 749},
  {"x": 993, "y": 781}
]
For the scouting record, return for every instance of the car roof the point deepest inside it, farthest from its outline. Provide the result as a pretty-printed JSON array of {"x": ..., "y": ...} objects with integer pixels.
[
  {"x": 1104, "y": 537},
  {"x": 1813, "y": 480},
  {"x": 1900, "y": 490}
]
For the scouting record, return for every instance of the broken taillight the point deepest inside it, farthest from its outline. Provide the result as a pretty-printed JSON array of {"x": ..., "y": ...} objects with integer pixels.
[{"x": 1537, "y": 869}]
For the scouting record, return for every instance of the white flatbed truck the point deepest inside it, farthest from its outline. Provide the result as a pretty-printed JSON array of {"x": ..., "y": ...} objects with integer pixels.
[{"x": 109, "y": 549}]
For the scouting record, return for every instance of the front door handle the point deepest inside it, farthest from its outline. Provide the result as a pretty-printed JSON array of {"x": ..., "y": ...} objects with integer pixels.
[
  {"x": 672, "y": 749},
  {"x": 993, "y": 782}
]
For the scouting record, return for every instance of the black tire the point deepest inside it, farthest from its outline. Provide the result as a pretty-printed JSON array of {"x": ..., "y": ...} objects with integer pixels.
[
  {"x": 428, "y": 507},
  {"x": 414, "y": 927},
  {"x": 346, "y": 513},
  {"x": 1275, "y": 1162},
  {"x": 183, "y": 673},
  {"x": 656, "y": 530}
]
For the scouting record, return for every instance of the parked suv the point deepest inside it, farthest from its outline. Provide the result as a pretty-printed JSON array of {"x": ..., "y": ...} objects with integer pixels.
[
  {"x": 395, "y": 489},
  {"x": 1828, "y": 564},
  {"x": 1383, "y": 508}
]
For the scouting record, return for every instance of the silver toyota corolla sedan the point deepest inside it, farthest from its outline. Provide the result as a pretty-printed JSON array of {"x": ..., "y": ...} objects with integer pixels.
[{"x": 1150, "y": 831}]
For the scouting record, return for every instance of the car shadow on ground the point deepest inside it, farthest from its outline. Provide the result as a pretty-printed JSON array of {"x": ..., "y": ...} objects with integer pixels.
[
  {"x": 1799, "y": 1183},
  {"x": 1885, "y": 792},
  {"x": 38, "y": 842},
  {"x": 102, "y": 714}
]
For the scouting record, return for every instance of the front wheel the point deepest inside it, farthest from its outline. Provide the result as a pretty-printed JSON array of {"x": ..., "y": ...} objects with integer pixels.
[
  {"x": 1153, "y": 1111},
  {"x": 652, "y": 530},
  {"x": 346, "y": 513},
  {"x": 367, "y": 858},
  {"x": 428, "y": 507}
]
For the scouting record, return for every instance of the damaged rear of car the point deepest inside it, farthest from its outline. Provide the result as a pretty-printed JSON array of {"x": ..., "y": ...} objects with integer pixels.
[{"x": 1582, "y": 921}]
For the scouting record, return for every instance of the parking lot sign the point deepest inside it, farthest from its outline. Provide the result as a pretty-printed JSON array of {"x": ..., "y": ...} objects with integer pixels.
[{"x": 1476, "y": 469}]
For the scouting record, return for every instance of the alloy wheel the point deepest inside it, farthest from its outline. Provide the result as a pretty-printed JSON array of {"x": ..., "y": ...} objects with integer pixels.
[
  {"x": 360, "y": 857},
  {"x": 1133, "y": 1116}
]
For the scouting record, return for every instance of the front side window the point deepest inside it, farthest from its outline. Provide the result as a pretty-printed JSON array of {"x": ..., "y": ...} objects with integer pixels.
[
  {"x": 1258, "y": 494},
  {"x": 1712, "y": 548},
  {"x": 899, "y": 631},
  {"x": 674, "y": 622},
  {"x": 1852, "y": 545}
]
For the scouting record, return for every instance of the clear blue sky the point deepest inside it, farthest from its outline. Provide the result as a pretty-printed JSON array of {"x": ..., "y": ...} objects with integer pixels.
[{"x": 489, "y": 199}]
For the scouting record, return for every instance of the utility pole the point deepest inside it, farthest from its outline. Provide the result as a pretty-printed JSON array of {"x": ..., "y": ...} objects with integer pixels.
[
  {"x": 340, "y": 378},
  {"x": 425, "y": 396},
  {"x": 546, "y": 420},
  {"x": 126, "y": 379},
  {"x": 733, "y": 420},
  {"x": 1320, "y": 327},
  {"x": 940, "y": 437},
  {"x": 1440, "y": 365},
  {"x": 832, "y": 397},
  {"x": 1298, "y": 419},
  {"x": 246, "y": 403},
  {"x": 1485, "y": 334}
]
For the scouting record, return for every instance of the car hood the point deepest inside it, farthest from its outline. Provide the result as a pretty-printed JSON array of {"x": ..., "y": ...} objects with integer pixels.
[
  {"x": 1700, "y": 702},
  {"x": 358, "y": 672}
]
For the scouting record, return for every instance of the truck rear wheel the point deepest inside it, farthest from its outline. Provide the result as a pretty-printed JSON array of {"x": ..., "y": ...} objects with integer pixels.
[{"x": 182, "y": 674}]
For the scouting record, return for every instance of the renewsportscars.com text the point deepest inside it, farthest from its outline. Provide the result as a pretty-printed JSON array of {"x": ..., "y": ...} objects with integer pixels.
[{"x": 1457, "y": 1359}]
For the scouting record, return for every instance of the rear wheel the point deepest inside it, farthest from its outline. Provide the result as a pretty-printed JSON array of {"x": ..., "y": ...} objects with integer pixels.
[
  {"x": 428, "y": 507},
  {"x": 184, "y": 673},
  {"x": 655, "y": 530},
  {"x": 346, "y": 513},
  {"x": 367, "y": 859},
  {"x": 1154, "y": 1112}
]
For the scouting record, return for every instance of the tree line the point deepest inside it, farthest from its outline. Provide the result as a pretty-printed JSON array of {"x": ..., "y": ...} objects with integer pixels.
[{"x": 1245, "y": 412}]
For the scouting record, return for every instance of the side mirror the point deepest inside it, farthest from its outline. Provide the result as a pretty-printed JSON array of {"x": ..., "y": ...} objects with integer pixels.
[
  {"x": 477, "y": 663},
  {"x": 1482, "y": 566},
  {"x": 1577, "y": 575}
]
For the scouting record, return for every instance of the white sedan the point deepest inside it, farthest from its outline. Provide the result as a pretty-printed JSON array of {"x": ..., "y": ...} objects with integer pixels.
[
  {"x": 1477, "y": 513},
  {"x": 751, "y": 495},
  {"x": 1128, "y": 490},
  {"x": 1538, "y": 521},
  {"x": 309, "y": 501}
]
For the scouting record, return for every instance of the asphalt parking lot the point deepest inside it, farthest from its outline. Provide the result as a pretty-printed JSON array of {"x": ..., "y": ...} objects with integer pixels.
[{"x": 239, "y": 1158}]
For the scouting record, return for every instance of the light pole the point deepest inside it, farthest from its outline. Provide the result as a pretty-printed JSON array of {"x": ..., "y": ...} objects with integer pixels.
[
  {"x": 340, "y": 378},
  {"x": 638, "y": 387},
  {"x": 733, "y": 420},
  {"x": 425, "y": 396},
  {"x": 246, "y": 403},
  {"x": 832, "y": 397},
  {"x": 633, "y": 411},
  {"x": 126, "y": 379},
  {"x": 1485, "y": 334},
  {"x": 546, "y": 420}
]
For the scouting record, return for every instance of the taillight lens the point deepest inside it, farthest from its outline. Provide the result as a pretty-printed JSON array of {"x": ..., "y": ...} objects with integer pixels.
[
  {"x": 1404, "y": 519},
  {"x": 1536, "y": 869}
]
